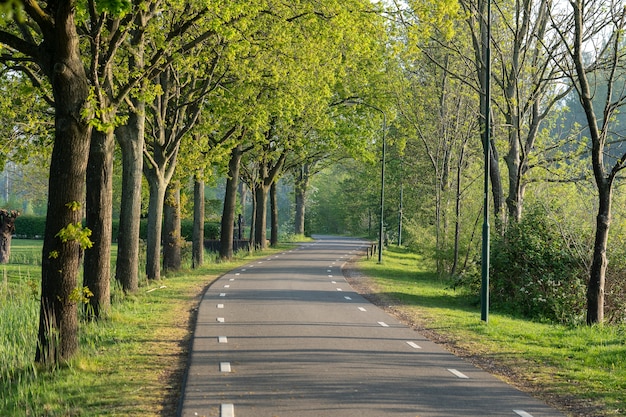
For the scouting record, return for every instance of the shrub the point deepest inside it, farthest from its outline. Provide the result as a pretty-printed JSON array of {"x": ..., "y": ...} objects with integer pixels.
[
  {"x": 30, "y": 227},
  {"x": 535, "y": 273}
]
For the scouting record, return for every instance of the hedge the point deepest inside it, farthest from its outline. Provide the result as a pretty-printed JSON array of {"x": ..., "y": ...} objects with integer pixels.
[{"x": 33, "y": 227}]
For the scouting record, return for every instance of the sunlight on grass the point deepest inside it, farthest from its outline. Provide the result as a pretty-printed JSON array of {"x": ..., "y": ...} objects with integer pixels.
[{"x": 584, "y": 365}]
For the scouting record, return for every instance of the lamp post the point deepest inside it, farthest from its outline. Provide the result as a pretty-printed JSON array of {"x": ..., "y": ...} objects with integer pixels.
[
  {"x": 382, "y": 177},
  {"x": 484, "y": 294}
]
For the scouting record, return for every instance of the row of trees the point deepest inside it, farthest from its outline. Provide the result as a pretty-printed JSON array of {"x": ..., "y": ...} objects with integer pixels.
[
  {"x": 182, "y": 91},
  {"x": 557, "y": 87},
  {"x": 185, "y": 90}
]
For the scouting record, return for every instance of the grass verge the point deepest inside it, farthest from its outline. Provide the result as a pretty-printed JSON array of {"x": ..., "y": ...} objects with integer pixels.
[
  {"x": 131, "y": 364},
  {"x": 580, "y": 370}
]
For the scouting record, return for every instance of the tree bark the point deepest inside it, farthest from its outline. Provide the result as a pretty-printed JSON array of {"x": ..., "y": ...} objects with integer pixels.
[
  {"x": 99, "y": 213},
  {"x": 197, "y": 240},
  {"x": 253, "y": 242},
  {"x": 131, "y": 141},
  {"x": 301, "y": 185},
  {"x": 230, "y": 203},
  {"x": 61, "y": 61},
  {"x": 260, "y": 217},
  {"x": 172, "y": 260},
  {"x": 274, "y": 215},
  {"x": 597, "y": 276},
  {"x": 158, "y": 187},
  {"x": 7, "y": 228}
]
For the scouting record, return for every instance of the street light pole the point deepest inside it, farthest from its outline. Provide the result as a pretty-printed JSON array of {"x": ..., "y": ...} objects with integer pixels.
[
  {"x": 382, "y": 190},
  {"x": 484, "y": 313}
]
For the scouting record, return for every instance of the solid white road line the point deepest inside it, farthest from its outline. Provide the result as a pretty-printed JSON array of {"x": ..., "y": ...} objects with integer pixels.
[
  {"x": 227, "y": 410},
  {"x": 522, "y": 413},
  {"x": 225, "y": 367},
  {"x": 414, "y": 345},
  {"x": 458, "y": 374}
]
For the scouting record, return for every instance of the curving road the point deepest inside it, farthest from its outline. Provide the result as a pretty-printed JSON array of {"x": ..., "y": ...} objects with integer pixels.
[{"x": 286, "y": 336}]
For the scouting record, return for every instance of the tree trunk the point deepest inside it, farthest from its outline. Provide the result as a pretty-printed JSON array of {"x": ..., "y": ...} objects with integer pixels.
[
  {"x": 595, "y": 287},
  {"x": 260, "y": 218},
  {"x": 172, "y": 241},
  {"x": 131, "y": 141},
  {"x": 301, "y": 185},
  {"x": 7, "y": 228},
  {"x": 230, "y": 203},
  {"x": 99, "y": 212},
  {"x": 274, "y": 215},
  {"x": 253, "y": 243},
  {"x": 58, "y": 321},
  {"x": 197, "y": 240},
  {"x": 158, "y": 187}
]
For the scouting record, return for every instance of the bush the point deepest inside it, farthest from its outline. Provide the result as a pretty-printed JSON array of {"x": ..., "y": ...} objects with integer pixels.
[
  {"x": 30, "y": 227},
  {"x": 34, "y": 227},
  {"x": 534, "y": 272}
]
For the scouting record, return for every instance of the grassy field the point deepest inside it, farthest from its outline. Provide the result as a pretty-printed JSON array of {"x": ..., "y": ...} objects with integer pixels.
[
  {"x": 131, "y": 364},
  {"x": 582, "y": 370}
]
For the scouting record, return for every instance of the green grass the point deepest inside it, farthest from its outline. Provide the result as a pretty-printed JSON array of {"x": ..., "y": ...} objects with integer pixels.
[
  {"x": 130, "y": 364},
  {"x": 580, "y": 369}
]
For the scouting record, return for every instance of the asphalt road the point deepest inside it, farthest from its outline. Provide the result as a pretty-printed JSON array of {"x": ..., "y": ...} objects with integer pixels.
[{"x": 286, "y": 336}]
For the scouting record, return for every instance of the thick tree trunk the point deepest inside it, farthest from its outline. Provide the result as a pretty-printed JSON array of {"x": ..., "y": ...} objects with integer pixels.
[
  {"x": 197, "y": 240},
  {"x": 131, "y": 141},
  {"x": 99, "y": 212},
  {"x": 260, "y": 218},
  {"x": 274, "y": 215},
  {"x": 230, "y": 203},
  {"x": 595, "y": 287},
  {"x": 158, "y": 187},
  {"x": 172, "y": 241},
  {"x": 58, "y": 321},
  {"x": 7, "y": 228}
]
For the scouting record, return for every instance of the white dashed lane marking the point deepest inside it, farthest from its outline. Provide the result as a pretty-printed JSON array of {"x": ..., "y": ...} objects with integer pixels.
[
  {"x": 362, "y": 309},
  {"x": 382, "y": 323},
  {"x": 225, "y": 367},
  {"x": 222, "y": 339},
  {"x": 522, "y": 413},
  {"x": 347, "y": 298},
  {"x": 414, "y": 345},
  {"x": 458, "y": 374},
  {"x": 220, "y": 306},
  {"x": 220, "y": 319},
  {"x": 227, "y": 410}
]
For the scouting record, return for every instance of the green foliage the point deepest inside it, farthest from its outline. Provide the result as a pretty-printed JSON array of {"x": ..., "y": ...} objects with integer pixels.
[
  {"x": 116, "y": 7},
  {"x": 535, "y": 273},
  {"x": 76, "y": 232}
]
